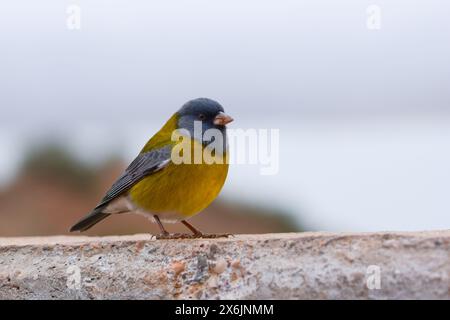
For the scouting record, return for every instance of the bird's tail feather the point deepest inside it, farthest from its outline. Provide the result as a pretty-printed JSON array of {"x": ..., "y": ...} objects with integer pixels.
[{"x": 91, "y": 219}]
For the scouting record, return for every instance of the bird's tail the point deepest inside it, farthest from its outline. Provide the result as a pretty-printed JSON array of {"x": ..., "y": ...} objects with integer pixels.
[{"x": 93, "y": 218}]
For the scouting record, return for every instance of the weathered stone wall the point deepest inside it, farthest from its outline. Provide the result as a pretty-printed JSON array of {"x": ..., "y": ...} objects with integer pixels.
[{"x": 283, "y": 266}]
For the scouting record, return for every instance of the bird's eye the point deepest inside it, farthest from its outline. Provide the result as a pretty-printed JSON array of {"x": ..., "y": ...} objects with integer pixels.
[{"x": 201, "y": 116}]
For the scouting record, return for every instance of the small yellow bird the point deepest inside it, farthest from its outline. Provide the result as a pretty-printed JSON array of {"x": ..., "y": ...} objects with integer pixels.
[{"x": 160, "y": 186}]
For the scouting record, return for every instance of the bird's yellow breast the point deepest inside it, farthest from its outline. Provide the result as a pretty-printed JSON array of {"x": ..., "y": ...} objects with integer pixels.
[{"x": 185, "y": 189}]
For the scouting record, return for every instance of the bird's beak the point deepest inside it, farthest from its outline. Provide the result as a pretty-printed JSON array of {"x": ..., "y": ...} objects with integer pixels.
[{"x": 222, "y": 119}]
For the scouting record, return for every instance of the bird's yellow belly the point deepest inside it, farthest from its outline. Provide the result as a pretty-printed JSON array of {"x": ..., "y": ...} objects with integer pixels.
[{"x": 181, "y": 190}]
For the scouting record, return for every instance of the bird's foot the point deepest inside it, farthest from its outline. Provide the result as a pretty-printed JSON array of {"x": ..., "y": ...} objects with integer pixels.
[
  {"x": 212, "y": 235},
  {"x": 166, "y": 236},
  {"x": 199, "y": 235}
]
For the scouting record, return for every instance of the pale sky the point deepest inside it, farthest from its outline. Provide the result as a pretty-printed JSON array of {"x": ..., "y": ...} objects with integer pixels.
[{"x": 135, "y": 60}]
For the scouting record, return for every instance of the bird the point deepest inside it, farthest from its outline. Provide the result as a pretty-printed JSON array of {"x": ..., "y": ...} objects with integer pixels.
[{"x": 164, "y": 189}]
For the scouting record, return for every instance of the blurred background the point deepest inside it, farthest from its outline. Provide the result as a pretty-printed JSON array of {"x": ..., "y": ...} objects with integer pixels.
[{"x": 361, "y": 99}]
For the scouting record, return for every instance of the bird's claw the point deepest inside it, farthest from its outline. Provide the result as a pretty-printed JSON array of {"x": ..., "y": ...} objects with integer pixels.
[
  {"x": 167, "y": 236},
  {"x": 212, "y": 235}
]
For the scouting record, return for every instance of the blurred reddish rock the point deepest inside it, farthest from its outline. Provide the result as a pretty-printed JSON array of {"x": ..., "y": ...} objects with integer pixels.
[{"x": 42, "y": 203}]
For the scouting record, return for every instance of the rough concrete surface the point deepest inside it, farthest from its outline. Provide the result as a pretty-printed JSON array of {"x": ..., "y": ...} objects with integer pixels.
[{"x": 388, "y": 265}]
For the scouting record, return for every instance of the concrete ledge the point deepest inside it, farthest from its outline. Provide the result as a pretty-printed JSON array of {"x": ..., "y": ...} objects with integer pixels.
[{"x": 269, "y": 266}]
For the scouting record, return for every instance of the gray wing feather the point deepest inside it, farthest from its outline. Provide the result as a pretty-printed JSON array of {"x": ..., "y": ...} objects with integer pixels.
[{"x": 144, "y": 165}]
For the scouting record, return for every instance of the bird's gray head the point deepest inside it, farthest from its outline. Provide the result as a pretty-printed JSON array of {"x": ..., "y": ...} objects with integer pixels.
[{"x": 209, "y": 113}]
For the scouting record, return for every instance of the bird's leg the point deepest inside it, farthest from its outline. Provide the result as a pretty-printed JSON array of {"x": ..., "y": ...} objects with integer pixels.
[
  {"x": 198, "y": 234},
  {"x": 166, "y": 235}
]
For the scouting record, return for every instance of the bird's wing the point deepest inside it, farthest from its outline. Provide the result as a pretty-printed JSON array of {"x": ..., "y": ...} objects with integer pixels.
[{"x": 144, "y": 165}]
